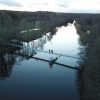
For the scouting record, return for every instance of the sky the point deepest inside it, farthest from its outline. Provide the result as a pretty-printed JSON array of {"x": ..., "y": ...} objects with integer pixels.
[{"x": 67, "y": 6}]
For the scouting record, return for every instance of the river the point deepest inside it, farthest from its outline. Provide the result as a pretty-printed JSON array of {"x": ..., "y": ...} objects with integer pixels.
[{"x": 32, "y": 79}]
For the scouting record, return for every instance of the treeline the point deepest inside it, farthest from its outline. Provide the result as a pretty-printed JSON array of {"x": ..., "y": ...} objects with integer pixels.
[
  {"x": 85, "y": 19},
  {"x": 9, "y": 22},
  {"x": 88, "y": 27},
  {"x": 13, "y": 22}
]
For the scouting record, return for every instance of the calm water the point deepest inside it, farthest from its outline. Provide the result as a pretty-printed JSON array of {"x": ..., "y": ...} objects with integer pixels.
[{"x": 32, "y": 79}]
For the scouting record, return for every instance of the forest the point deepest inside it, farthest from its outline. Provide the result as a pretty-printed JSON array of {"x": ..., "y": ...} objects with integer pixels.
[{"x": 13, "y": 22}]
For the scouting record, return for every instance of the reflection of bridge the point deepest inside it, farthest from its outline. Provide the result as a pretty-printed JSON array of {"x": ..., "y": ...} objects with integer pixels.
[
  {"x": 26, "y": 53},
  {"x": 49, "y": 61}
]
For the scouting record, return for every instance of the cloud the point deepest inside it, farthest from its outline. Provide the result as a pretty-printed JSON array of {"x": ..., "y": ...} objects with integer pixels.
[
  {"x": 10, "y": 3},
  {"x": 87, "y": 6}
]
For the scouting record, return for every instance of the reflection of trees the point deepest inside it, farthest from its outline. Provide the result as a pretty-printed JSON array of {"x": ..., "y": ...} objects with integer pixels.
[
  {"x": 89, "y": 76},
  {"x": 6, "y": 64},
  {"x": 8, "y": 49},
  {"x": 31, "y": 47},
  {"x": 7, "y": 59}
]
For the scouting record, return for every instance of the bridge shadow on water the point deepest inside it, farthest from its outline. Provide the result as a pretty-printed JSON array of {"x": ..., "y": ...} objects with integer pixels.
[{"x": 9, "y": 53}]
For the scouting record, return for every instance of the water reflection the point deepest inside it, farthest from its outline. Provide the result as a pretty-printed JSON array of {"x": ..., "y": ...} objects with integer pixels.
[
  {"x": 34, "y": 77},
  {"x": 9, "y": 52},
  {"x": 6, "y": 61}
]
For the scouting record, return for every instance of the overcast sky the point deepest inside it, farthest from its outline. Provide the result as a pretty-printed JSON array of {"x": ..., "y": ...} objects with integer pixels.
[{"x": 79, "y": 6}]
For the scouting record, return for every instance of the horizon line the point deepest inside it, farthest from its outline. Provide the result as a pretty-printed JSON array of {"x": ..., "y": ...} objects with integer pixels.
[{"x": 50, "y": 11}]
